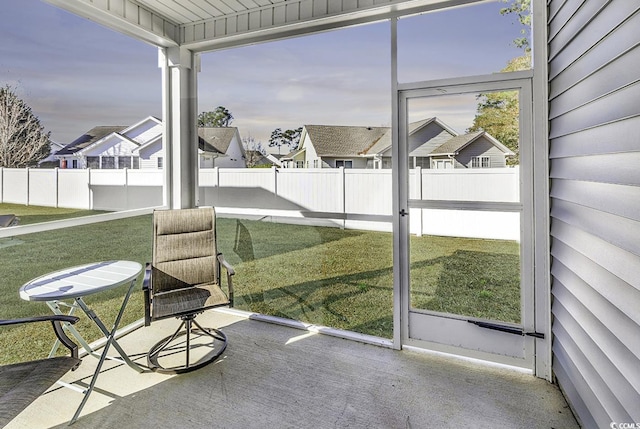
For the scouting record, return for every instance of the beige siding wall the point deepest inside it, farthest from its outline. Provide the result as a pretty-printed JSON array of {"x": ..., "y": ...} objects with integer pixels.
[{"x": 594, "y": 58}]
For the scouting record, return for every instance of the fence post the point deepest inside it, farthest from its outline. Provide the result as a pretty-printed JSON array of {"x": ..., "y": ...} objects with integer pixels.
[
  {"x": 419, "y": 195},
  {"x": 343, "y": 188},
  {"x": 217, "y": 187},
  {"x": 274, "y": 170},
  {"x": 28, "y": 171},
  {"x": 89, "y": 188},
  {"x": 126, "y": 188},
  {"x": 57, "y": 182}
]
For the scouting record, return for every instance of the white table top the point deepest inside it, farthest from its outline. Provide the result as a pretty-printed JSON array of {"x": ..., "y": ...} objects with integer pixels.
[{"x": 79, "y": 281}]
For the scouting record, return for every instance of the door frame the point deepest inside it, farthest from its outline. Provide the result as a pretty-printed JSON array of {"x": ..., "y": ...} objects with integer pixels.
[{"x": 522, "y": 81}]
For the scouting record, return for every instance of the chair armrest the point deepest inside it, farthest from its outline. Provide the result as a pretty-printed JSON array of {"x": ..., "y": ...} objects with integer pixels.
[
  {"x": 227, "y": 266},
  {"x": 230, "y": 272},
  {"x": 56, "y": 322},
  {"x": 53, "y": 317},
  {"x": 147, "y": 288}
]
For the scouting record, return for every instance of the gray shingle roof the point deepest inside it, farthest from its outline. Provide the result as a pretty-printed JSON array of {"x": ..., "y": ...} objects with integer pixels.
[
  {"x": 454, "y": 144},
  {"x": 215, "y": 139},
  {"x": 385, "y": 141},
  {"x": 333, "y": 140},
  {"x": 90, "y": 137}
]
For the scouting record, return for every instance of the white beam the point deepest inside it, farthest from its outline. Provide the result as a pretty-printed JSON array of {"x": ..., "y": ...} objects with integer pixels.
[
  {"x": 262, "y": 24},
  {"x": 126, "y": 17}
]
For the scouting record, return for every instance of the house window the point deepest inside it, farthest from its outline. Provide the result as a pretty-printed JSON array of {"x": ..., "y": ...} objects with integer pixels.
[
  {"x": 159, "y": 162},
  {"x": 93, "y": 162},
  {"x": 74, "y": 163},
  {"x": 422, "y": 161},
  {"x": 442, "y": 163},
  {"x": 480, "y": 162},
  {"x": 124, "y": 162},
  {"x": 344, "y": 163},
  {"x": 315, "y": 163},
  {"x": 299, "y": 164},
  {"x": 136, "y": 162},
  {"x": 108, "y": 162}
]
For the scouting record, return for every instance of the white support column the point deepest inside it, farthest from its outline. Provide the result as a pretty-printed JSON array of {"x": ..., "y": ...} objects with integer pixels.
[
  {"x": 400, "y": 277},
  {"x": 180, "y": 140}
]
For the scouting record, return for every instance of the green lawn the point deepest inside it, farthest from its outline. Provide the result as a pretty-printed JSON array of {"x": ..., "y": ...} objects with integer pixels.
[
  {"x": 320, "y": 275},
  {"x": 36, "y": 214}
]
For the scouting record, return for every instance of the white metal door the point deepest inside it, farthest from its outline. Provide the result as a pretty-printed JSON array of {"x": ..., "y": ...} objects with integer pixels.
[{"x": 466, "y": 233}]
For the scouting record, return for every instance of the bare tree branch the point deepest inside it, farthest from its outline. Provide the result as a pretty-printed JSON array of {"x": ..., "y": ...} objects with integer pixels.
[{"x": 23, "y": 141}]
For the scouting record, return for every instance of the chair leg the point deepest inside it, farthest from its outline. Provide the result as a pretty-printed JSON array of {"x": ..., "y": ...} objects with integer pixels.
[{"x": 163, "y": 349}]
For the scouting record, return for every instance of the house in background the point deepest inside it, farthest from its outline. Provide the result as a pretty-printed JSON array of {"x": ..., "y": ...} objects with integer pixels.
[
  {"x": 473, "y": 150},
  {"x": 221, "y": 147},
  {"x": 258, "y": 159},
  {"x": 432, "y": 144},
  {"x": 139, "y": 146},
  {"x": 115, "y": 147},
  {"x": 50, "y": 161}
]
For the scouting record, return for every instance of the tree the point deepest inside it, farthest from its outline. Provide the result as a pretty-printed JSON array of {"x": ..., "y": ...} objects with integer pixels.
[
  {"x": 220, "y": 117},
  {"x": 498, "y": 113},
  {"x": 23, "y": 141},
  {"x": 289, "y": 138},
  {"x": 254, "y": 151},
  {"x": 522, "y": 8}
]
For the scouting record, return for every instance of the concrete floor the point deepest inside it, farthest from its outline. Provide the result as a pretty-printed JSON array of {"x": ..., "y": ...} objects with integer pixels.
[{"x": 273, "y": 376}]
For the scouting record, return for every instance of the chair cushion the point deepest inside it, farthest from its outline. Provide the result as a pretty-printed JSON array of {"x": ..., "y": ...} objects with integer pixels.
[
  {"x": 22, "y": 383},
  {"x": 188, "y": 300}
]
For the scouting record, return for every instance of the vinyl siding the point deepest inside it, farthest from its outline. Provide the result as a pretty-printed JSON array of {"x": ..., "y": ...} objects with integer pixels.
[{"x": 594, "y": 114}]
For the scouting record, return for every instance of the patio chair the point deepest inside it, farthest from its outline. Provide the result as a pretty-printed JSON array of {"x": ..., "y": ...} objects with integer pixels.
[
  {"x": 182, "y": 281},
  {"x": 22, "y": 383}
]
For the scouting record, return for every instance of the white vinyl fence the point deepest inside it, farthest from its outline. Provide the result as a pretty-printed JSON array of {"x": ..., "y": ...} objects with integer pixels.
[{"x": 349, "y": 198}]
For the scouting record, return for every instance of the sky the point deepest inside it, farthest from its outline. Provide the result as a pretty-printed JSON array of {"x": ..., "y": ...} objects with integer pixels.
[{"x": 76, "y": 74}]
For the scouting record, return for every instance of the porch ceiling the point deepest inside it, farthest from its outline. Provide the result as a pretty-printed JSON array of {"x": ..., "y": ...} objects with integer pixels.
[{"x": 205, "y": 25}]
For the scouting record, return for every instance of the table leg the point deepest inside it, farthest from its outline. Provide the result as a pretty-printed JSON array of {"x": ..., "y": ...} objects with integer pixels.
[
  {"x": 110, "y": 336},
  {"x": 55, "y": 307}
]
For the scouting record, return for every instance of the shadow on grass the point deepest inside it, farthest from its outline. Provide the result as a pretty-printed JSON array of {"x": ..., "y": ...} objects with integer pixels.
[
  {"x": 248, "y": 240},
  {"x": 471, "y": 283}
]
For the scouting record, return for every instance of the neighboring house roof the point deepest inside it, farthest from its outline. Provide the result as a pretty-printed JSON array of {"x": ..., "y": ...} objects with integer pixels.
[
  {"x": 292, "y": 154},
  {"x": 454, "y": 145},
  {"x": 263, "y": 159},
  {"x": 157, "y": 138},
  {"x": 54, "y": 148},
  {"x": 275, "y": 160},
  {"x": 330, "y": 140},
  {"x": 87, "y": 139},
  {"x": 216, "y": 140},
  {"x": 384, "y": 143}
]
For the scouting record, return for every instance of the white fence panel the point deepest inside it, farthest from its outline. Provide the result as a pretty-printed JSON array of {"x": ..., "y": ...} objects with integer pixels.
[
  {"x": 144, "y": 178},
  {"x": 360, "y": 198},
  {"x": 240, "y": 187},
  {"x": 368, "y": 192},
  {"x": 43, "y": 187},
  {"x": 472, "y": 224},
  {"x": 73, "y": 189},
  {"x": 320, "y": 190},
  {"x": 477, "y": 184},
  {"x": 208, "y": 177},
  {"x": 108, "y": 177},
  {"x": 15, "y": 185}
]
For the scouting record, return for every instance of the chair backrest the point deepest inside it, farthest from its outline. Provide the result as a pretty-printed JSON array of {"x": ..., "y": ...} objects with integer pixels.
[{"x": 184, "y": 246}]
